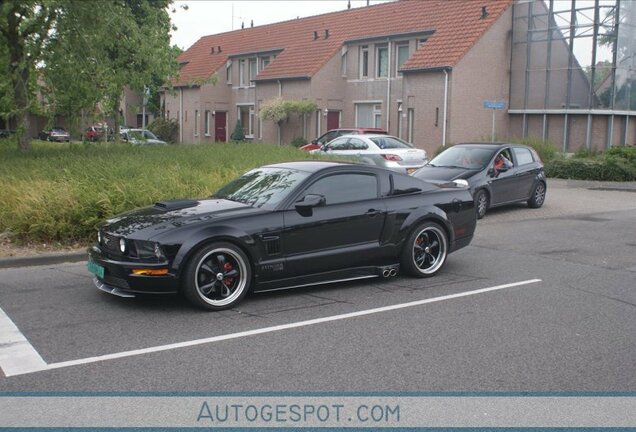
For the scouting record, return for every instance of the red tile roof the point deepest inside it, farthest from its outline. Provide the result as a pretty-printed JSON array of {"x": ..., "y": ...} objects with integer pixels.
[{"x": 457, "y": 25}]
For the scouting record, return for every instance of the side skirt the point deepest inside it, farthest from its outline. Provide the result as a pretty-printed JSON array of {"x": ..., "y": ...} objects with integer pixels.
[{"x": 327, "y": 278}]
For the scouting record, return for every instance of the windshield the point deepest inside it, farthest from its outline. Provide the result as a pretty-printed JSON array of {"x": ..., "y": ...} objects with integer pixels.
[
  {"x": 390, "y": 143},
  {"x": 136, "y": 135},
  {"x": 149, "y": 135},
  {"x": 262, "y": 187},
  {"x": 464, "y": 157}
]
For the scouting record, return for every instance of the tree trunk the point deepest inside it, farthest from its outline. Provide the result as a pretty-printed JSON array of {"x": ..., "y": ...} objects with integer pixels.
[{"x": 20, "y": 82}]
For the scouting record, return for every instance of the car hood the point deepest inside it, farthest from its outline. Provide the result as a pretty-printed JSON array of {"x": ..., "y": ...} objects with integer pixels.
[
  {"x": 146, "y": 222},
  {"x": 429, "y": 172}
]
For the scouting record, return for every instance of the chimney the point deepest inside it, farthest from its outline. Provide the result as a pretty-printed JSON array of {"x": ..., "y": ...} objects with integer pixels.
[
  {"x": 315, "y": 35},
  {"x": 252, "y": 23},
  {"x": 349, "y": 4},
  {"x": 484, "y": 12},
  {"x": 326, "y": 33},
  {"x": 242, "y": 24}
]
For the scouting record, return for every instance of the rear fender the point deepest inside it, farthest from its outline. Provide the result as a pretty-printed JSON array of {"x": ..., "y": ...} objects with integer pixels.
[{"x": 426, "y": 214}]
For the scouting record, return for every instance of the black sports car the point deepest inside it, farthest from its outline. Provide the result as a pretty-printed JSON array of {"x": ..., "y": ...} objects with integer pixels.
[
  {"x": 498, "y": 174},
  {"x": 282, "y": 226}
]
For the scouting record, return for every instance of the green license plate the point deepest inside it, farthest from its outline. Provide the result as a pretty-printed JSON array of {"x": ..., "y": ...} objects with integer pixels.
[{"x": 95, "y": 268}]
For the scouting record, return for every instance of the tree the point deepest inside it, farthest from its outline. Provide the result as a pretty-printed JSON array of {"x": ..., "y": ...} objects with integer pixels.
[
  {"x": 239, "y": 133},
  {"x": 75, "y": 54},
  {"x": 278, "y": 110}
]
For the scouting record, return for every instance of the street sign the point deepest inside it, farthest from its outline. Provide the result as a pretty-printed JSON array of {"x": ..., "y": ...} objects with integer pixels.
[{"x": 496, "y": 105}]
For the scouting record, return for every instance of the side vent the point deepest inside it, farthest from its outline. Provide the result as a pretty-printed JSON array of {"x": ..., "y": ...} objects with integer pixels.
[{"x": 272, "y": 244}]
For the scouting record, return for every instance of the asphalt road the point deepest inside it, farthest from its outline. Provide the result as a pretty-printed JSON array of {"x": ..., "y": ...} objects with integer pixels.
[{"x": 575, "y": 330}]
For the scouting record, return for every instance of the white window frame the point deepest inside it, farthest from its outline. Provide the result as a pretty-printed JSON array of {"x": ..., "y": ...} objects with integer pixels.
[
  {"x": 249, "y": 129},
  {"x": 343, "y": 61},
  {"x": 377, "y": 115},
  {"x": 318, "y": 122},
  {"x": 398, "y": 46},
  {"x": 242, "y": 73},
  {"x": 228, "y": 72},
  {"x": 208, "y": 118},
  {"x": 252, "y": 66},
  {"x": 264, "y": 62},
  {"x": 376, "y": 112},
  {"x": 378, "y": 68},
  {"x": 362, "y": 62}
]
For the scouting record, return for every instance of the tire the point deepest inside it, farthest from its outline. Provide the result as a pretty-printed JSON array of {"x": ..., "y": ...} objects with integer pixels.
[
  {"x": 425, "y": 250},
  {"x": 217, "y": 277},
  {"x": 538, "y": 196},
  {"x": 482, "y": 201}
]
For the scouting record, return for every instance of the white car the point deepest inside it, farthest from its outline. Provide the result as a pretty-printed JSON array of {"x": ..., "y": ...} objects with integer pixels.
[
  {"x": 383, "y": 150},
  {"x": 140, "y": 137}
]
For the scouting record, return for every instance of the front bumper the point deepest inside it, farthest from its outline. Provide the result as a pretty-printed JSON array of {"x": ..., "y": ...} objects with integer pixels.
[{"x": 119, "y": 280}]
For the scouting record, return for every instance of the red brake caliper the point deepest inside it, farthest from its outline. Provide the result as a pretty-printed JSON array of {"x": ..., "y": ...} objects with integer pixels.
[{"x": 228, "y": 281}]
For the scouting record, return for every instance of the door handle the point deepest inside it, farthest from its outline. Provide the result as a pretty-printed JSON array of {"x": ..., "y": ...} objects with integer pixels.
[{"x": 373, "y": 212}]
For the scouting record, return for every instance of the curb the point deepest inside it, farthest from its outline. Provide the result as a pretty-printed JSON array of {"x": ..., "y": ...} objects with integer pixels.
[{"x": 39, "y": 260}]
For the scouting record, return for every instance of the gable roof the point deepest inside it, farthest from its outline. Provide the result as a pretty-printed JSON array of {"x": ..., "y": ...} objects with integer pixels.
[{"x": 456, "y": 25}]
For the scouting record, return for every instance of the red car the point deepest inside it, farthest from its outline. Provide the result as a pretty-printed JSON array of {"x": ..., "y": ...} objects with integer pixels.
[{"x": 335, "y": 133}]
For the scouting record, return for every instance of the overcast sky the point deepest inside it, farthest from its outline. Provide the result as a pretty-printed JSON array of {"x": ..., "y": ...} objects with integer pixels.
[{"x": 205, "y": 17}]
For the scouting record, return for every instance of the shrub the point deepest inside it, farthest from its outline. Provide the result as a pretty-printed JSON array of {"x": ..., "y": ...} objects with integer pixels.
[
  {"x": 604, "y": 169},
  {"x": 298, "y": 142},
  {"x": 239, "y": 133},
  {"x": 585, "y": 153},
  {"x": 165, "y": 129},
  {"x": 625, "y": 152}
]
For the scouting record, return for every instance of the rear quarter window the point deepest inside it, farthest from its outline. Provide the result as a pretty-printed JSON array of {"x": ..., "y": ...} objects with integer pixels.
[{"x": 522, "y": 155}]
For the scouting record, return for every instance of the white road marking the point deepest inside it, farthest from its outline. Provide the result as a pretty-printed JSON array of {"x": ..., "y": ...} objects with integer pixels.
[
  {"x": 17, "y": 355},
  {"x": 36, "y": 367}
]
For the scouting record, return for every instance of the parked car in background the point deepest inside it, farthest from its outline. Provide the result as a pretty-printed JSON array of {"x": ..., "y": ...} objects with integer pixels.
[
  {"x": 56, "y": 133},
  {"x": 96, "y": 133},
  {"x": 281, "y": 226},
  {"x": 381, "y": 150},
  {"x": 335, "y": 133},
  {"x": 498, "y": 174},
  {"x": 6, "y": 133},
  {"x": 141, "y": 137}
]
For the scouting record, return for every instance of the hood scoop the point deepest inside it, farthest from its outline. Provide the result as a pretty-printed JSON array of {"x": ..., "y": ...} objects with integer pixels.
[{"x": 175, "y": 204}]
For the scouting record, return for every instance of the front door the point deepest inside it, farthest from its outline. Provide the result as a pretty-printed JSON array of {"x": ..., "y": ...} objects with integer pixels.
[
  {"x": 220, "y": 132},
  {"x": 333, "y": 120}
]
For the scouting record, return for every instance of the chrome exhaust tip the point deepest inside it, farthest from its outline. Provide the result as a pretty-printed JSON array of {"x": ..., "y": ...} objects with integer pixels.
[
  {"x": 386, "y": 273},
  {"x": 393, "y": 272}
]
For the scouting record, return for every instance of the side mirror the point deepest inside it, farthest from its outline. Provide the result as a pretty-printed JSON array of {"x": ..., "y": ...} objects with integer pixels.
[
  {"x": 310, "y": 201},
  {"x": 324, "y": 147},
  {"x": 313, "y": 141}
]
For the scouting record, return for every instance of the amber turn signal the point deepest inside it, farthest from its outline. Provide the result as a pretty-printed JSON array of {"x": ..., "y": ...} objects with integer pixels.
[{"x": 150, "y": 272}]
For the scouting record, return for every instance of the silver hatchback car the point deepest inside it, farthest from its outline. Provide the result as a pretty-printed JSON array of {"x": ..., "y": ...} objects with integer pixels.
[{"x": 381, "y": 150}]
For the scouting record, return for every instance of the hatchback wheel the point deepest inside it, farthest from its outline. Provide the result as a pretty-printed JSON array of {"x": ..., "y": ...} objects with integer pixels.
[
  {"x": 217, "y": 277},
  {"x": 481, "y": 203},
  {"x": 538, "y": 196}
]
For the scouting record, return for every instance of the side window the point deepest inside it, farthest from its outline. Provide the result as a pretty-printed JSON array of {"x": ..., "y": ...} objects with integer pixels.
[
  {"x": 523, "y": 155},
  {"x": 357, "y": 144},
  {"x": 327, "y": 137},
  {"x": 403, "y": 185},
  {"x": 343, "y": 188},
  {"x": 339, "y": 144}
]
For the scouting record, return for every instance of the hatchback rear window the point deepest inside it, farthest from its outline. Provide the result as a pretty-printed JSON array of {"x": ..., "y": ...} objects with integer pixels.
[{"x": 390, "y": 143}]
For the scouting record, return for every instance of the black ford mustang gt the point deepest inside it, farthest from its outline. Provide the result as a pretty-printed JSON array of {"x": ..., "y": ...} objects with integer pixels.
[{"x": 282, "y": 226}]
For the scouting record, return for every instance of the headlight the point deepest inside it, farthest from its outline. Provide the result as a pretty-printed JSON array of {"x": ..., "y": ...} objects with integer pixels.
[
  {"x": 148, "y": 249},
  {"x": 122, "y": 245}
]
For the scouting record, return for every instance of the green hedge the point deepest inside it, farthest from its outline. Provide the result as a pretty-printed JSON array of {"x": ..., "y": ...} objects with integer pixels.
[{"x": 608, "y": 166}]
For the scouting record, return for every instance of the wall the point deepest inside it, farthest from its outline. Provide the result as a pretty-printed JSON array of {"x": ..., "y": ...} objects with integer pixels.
[{"x": 482, "y": 74}]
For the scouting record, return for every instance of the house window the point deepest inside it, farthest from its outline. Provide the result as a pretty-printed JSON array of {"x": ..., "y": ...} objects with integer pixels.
[
  {"x": 410, "y": 120},
  {"x": 228, "y": 72},
  {"x": 242, "y": 74},
  {"x": 207, "y": 123},
  {"x": 364, "y": 61},
  {"x": 196, "y": 122},
  {"x": 252, "y": 71},
  {"x": 420, "y": 42},
  {"x": 343, "y": 62},
  {"x": 246, "y": 114},
  {"x": 402, "y": 55},
  {"x": 264, "y": 62},
  {"x": 382, "y": 56},
  {"x": 368, "y": 115},
  {"x": 318, "y": 122}
]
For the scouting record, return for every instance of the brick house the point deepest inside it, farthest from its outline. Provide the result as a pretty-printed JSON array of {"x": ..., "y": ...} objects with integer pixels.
[{"x": 405, "y": 66}]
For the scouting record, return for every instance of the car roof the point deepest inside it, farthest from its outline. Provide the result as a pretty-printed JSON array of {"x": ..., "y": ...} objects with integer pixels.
[
  {"x": 315, "y": 166},
  {"x": 490, "y": 145},
  {"x": 368, "y": 136}
]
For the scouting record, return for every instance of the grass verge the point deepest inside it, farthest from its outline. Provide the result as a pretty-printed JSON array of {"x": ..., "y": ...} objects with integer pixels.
[{"x": 60, "y": 192}]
